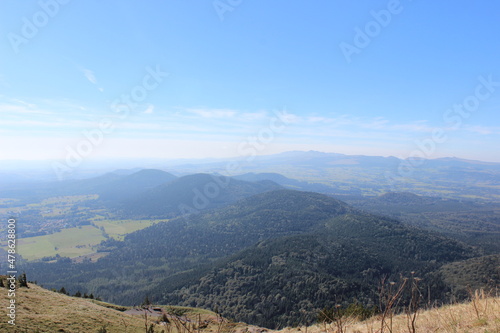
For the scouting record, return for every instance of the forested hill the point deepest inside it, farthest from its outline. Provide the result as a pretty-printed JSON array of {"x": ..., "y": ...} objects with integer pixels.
[
  {"x": 192, "y": 194},
  {"x": 127, "y": 186},
  {"x": 474, "y": 222},
  {"x": 110, "y": 186},
  {"x": 288, "y": 280}
]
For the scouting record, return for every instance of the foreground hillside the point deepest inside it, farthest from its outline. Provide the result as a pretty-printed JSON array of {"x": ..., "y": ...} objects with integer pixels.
[
  {"x": 41, "y": 310},
  {"x": 481, "y": 315}
]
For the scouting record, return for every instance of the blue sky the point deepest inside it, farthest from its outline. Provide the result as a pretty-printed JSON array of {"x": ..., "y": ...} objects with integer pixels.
[{"x": 90, "y": 80}]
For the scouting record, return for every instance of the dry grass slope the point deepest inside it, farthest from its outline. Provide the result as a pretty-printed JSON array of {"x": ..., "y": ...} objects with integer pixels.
[
  {"x": 41, "y": 310},
  {"x": 482, "y": 315}
]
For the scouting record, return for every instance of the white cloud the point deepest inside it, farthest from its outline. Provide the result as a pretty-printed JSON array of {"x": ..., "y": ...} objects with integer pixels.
[
  {"x": 290, "y": 117},
  {"x": 47, "y": 126},
  {"x": 316, "y": 119},
  {"x": 30, "y": 105},
  {"x": 63, "y": 104},
  {"x": 251, "y": 116},
  {"x": 203, "y": 128},
  {"x": 417, "y": 126},
  {"x": 483, "y": 130},
  {"x": 377, "y": 123},
  {"x": 213, "y": 113},
  {"x": 150, "y": 109},
  {"x": 89, "y": 75},
  {"x": 16, "y": 107}
]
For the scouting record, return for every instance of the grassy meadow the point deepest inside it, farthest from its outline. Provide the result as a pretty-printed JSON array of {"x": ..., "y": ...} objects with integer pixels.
[
  {"x": 72, "y": 242},
  {"x": 78, "y": 241},
  {"x": 118, "y": 229}
]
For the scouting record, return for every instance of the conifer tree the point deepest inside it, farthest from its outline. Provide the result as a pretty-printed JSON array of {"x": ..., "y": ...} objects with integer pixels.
[
  {"x": 146, "y": 301},
  {"x": 23, "y": 282}
]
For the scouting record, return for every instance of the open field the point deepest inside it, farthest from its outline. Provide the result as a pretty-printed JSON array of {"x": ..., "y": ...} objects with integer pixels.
[
  {"x": 117, "y": 229},
  {"x": 372, "y": 180},
  {"x": 50, "y": 207},
  {"x": 70, "y": 242},
  {"x": 79, "y": 241},
  {"x": 60, "y": 206}
]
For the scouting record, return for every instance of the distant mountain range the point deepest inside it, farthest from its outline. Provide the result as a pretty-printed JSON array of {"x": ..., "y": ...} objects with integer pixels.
[
  {"x": 153, "y": 194},
  {"x": 345, "y": 174}
]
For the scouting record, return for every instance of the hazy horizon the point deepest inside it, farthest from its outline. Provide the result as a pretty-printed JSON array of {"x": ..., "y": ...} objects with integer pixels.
[{"x": 223, "y": 158}]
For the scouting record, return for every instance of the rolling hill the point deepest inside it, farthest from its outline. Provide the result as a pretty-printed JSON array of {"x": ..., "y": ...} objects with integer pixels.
[
  {"x": 288, "y": 280},
  {"x": 286, "y": 182},
  {"x": 192, "y": 194},
  {"x": 477, "y": 223},
  {"x": 111, "y": 186},
  {"x": 128, "y": 186}
]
